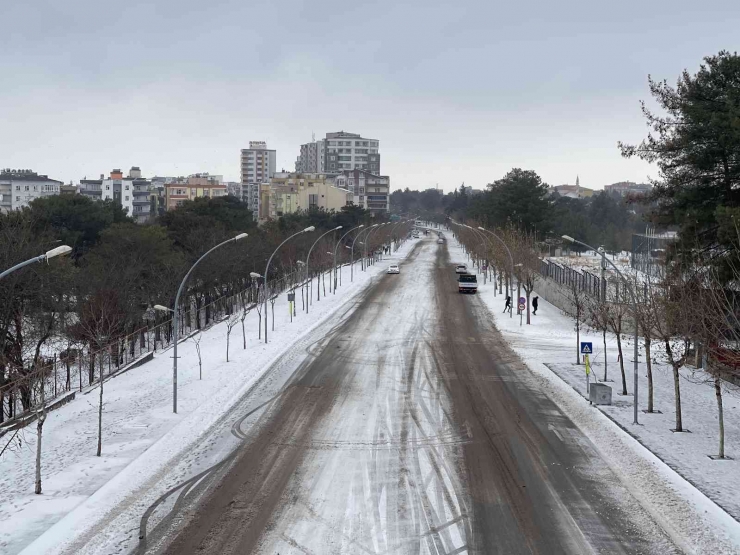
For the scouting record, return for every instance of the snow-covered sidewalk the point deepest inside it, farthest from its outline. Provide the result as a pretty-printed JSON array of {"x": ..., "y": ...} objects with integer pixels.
[
  {"x": 141, "y": 435},
  {"x": 692, "y": 514}
]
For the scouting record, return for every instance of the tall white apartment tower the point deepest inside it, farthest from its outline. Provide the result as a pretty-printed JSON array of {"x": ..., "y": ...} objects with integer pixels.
[{"x": 258, "y": 166}]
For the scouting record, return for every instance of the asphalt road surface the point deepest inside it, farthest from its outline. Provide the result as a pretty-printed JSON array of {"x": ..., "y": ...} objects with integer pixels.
[{"x": 411, "y": 428}]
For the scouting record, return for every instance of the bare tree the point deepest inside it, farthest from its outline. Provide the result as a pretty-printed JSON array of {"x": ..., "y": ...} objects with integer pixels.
[
  {"x": 615, "y": 318},
  {"x": 646, "y": 313},
  {"x": 576, "y": 306},
  {"x": 231, "y": 321},
  {"x": 246, "y": 309},
  {"x": 102, "y": 320},
  {"x": 598, "y": 319},
  {"x": 196, "y": 340}
]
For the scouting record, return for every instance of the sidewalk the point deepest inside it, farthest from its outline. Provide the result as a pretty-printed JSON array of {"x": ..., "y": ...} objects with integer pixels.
[
  {"x": 141, "y": 435},
  {"x": 700, "y": 520}
]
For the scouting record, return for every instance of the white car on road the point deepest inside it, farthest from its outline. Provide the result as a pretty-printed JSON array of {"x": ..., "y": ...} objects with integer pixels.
[
  {"x": 393, "y": 269},
  {"x": 461, "y": 269}
]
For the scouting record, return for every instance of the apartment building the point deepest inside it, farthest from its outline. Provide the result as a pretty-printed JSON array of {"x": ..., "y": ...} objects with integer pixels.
[
  {"x": 349, "y": 151},
  {"x": 194, "y": 186},
  {"x": 338, "y": 152},
  {"x": 312, "y": 157},
  {"x": 132, "y": 192},
  {"x": 365, "y": 189},
  {"x": 20, "y": 187},
  {"x": 290, "y": 192},
  {"x": 258, "y": 165}
]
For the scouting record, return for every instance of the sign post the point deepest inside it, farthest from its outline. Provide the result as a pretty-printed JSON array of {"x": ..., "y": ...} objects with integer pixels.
[
  {"x": 586, "y": 349},
  {"x": 291, "y": 303},
  {"x": 522, "y": 307}
]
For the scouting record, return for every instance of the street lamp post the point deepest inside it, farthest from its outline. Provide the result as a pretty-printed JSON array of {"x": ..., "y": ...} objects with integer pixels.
[
  {"x": 335, "y": 256},
  {"x": 352, "y": 255},
  {"x": 511, "y": 260},
  {"x": 58, "y": 251},
  {"x": 175, "y": 319},
  {"x": 267, "y": 269},
  {"x": 309, "y": 256},
  {"x": 605, "y": 260}
]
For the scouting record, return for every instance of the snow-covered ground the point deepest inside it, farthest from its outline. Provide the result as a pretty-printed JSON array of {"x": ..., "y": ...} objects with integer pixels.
[
  {"x": 692, "y": 514},
  {"x": 142, "y": 438}
]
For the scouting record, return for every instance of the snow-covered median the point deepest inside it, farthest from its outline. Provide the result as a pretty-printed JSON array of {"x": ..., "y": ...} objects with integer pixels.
[
  {"x": 141, "y": 435},
  {"x": 670, "y": 474}
]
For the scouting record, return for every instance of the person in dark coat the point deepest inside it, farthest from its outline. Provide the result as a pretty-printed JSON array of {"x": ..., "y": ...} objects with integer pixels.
[
  {"x": 508, "y": 304},
  {"x": 535, "y": 304}
]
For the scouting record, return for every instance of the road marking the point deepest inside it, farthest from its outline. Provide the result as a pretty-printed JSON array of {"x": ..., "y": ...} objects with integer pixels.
[{"x": 554, "y": 430}]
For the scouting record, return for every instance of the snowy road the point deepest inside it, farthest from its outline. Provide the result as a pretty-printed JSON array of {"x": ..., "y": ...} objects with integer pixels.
[{"x": 411, "y": 428}]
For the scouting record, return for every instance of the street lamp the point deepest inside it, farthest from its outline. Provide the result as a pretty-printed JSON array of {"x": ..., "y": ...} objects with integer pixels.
[
  {"x": 57, "y": 251},
  {"x": 352, "y": 256},
  {"x": 309, "y": 256},
  {"x": 335, "y": 256},
  {"x": 175, "y": 313},
  {"x": 267, "y": 268},
  {"x": 604, "y": 260},
  {"x": 511, "y": 260}
]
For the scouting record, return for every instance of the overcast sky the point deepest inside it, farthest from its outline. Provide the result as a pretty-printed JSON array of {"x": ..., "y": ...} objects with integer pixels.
[{"x": 454, "y": 91}]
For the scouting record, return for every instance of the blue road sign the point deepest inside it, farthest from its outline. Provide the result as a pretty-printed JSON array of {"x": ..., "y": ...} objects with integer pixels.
[{"x": 586, "y": 348}]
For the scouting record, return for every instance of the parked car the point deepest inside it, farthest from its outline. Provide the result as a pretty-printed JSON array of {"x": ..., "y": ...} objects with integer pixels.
[
  {"x": 393, "y": 269},
  {"x": 440, "y": 241},
  {"x": 467, "y": 283},
  {"x": 461, "y": 269}
]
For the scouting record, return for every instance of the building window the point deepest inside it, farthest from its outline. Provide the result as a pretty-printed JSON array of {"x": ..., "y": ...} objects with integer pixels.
[
  {"x": 107, "y": 187},
  {"x": 313, "y": 200},
  {"x": 26, "y": 187},
  {"x": 17, "y": 187},
  {"x": 127, "y": 187},
  {"x": 126, "y": 198},
  {"x": 18, "y": 199}
]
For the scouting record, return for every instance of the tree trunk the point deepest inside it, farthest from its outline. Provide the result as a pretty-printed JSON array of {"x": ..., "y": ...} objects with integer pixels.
[
  {"x": 244, "y": 335},
  {"x": 621, "y": 363},
  {"x": 100, "y": 411},
  {"x": 578, "y": 342},
  {"x": 228, "y": 334},
  {"x": 603, "y": 331},
  {"x": 721, "y": 414},
  {"x": 677, "y": 390},
  {"x": 39, "y": 432},
  {"x": 649, "y": 374}
]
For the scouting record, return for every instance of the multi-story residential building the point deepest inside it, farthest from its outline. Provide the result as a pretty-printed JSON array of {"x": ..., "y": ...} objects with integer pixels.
[
  {"x": 365, "y": 189},
  {"x": 258, "y": 165},
  {"x": 132, "y": 192},
  {"x": 338, "y": 152},
  {"x": 19, "y": 187},
  {"x": 312, "y": 157},
  {"x": 289, "y": 192},
  {"x": 192, "y": 187},
  {"x": 628, "y": 187},
  {"x": 349, "y": 151}
]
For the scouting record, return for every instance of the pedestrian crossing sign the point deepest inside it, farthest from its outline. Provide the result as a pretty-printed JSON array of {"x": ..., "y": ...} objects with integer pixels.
[{"x": 586, "y": 348}]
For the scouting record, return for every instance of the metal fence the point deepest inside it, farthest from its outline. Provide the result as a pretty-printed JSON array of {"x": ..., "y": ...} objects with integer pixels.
[
  {"x": 80, "y": 365},
  {"x": 649, "y": 251}
]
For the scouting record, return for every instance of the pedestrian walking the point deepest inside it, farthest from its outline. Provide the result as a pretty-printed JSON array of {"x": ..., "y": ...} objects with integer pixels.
[
  {"x": 534, "y": 305},
  {"x": 508, "y": 304}
]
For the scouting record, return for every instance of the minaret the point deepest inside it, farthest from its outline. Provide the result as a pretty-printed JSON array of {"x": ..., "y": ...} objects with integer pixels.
[{"x": 578, "y": 183}]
